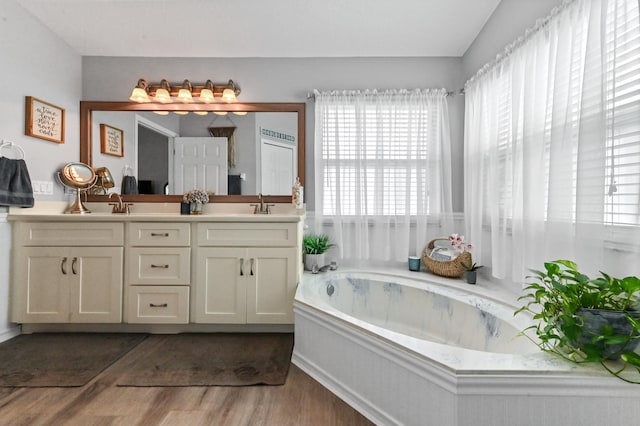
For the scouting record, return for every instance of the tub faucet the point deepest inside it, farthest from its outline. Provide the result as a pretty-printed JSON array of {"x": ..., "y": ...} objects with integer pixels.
[
  {"x": 120, "y": 206},
  {"x": 330, "y": 267}
]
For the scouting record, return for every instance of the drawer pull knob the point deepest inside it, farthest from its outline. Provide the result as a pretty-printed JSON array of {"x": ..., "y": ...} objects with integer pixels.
[
  {"x": 242, "y": 267},
  {"x": 159, "y": 234},
  {"x": 161, "y": 305},
  {"x": 63, "y": 266},
  {"x": 160, "y": 266}
]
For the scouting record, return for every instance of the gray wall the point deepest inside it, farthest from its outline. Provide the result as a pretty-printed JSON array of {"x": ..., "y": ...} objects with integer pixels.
[
  {"x": 508, "y": 22},
  {"x": 34, "y": 63}
]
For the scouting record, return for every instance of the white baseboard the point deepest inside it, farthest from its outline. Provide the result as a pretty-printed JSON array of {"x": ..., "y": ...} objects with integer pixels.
[{"x": 10, "y": 333}]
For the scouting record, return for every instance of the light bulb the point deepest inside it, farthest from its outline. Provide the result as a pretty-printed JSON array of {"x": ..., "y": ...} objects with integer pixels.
[
  {"x": 139, "y": 95},
  {"x": 228, "y": 95},
  {"x": 163, "y": 96},
  {"x": 206, "y": 96},
  {"x": 184, "y": 95}
]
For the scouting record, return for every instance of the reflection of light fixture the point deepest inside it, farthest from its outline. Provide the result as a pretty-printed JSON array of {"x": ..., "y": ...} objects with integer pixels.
[
  {"x": 164, "y": 92},
  {"x": 184, "y": 95},
  {"x": 139, "y": 93},
  {"x": 220, "y": 112},
  {"x": 181, "y": 112},
  {"x": 201, "y": 112},
  {"x": 104, "y": 180},
  {"x": 161, "y": 112},
  {"x": 240, "y": 112}
]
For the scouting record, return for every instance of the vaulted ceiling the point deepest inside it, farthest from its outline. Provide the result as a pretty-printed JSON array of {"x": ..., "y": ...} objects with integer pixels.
[{"x": 265, "y": 28}]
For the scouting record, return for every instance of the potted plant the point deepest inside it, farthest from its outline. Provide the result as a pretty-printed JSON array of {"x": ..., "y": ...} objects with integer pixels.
[
  {"x": 470, "y": 273},
  {"x": 584, "y": 319},
  {"x": 314, "y": 247},
  {"x": 196, "y": 198}
]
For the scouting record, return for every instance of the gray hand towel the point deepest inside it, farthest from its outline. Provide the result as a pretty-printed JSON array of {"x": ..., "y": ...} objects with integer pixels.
[
  {"x": 129, "y": 185},
  {"x": 15, "y": 183}
]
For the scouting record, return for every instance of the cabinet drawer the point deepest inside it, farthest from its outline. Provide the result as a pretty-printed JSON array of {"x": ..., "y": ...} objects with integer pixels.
[
  {"x": 158, "y": 304},
  {"x": 247, "y": 234},
  {"x": 71, "y": 234},
  {"x": 160, "y": 266},
  {"x": 153, "y": 234}
]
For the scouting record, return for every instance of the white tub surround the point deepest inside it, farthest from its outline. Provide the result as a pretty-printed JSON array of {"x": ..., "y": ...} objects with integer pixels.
[
  {"x": 153, "y": 269},
  {"x": 410, "y": 348}
]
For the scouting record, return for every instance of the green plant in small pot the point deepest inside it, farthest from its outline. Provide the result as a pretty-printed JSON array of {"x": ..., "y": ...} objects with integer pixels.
[
  {"x": 584, "y": 319},
  {"x": 314, "y": 247},
  {"x": 470, "y": 272}
]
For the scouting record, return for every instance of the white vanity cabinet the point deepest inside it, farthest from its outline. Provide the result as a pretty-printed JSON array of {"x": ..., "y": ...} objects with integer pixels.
[
  {"x": 153, "y": 271},
  {"x": 67, "y": 272},
  {"x": 158, "y": 272},
  {"x": 246, "y": 272}
]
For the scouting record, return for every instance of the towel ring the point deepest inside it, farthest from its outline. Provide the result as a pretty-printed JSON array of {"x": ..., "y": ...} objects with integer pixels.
[{"x": 11, "y": 145}]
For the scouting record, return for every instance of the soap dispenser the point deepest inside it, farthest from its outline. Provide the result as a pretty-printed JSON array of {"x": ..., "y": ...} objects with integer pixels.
[{"x": 297, "y": 194}]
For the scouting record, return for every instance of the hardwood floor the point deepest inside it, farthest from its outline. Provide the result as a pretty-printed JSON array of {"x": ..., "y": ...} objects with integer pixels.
[{"x": 301, "y": 401}]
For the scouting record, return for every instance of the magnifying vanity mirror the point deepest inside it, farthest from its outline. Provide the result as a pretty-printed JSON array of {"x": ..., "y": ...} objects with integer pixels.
[
  {"x": 79, "y": 177},
  {"x": 234, "y": 150}
]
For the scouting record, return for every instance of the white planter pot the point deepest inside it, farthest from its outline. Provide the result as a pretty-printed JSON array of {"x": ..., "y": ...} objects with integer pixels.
[{"x": 313, "y": 259}]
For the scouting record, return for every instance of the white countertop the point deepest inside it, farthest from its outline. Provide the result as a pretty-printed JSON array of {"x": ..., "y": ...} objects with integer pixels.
[{"x": 155, "y": 212}]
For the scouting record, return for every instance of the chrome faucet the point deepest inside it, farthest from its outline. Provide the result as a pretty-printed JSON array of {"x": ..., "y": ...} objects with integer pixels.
[
  {"x": 263, "y": 207},
  {"x": 120, "y": 206}
]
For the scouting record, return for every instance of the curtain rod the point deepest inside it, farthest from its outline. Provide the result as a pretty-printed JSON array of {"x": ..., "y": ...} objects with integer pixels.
[
  {"x": 459, "y": 92},
  {"x": 540, "y": 25}
]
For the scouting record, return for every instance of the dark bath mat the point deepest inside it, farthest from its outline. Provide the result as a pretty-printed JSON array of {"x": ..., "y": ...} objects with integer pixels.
[
  {"x": 61, "y": 359},
  {"x": 209, "y": 359}
]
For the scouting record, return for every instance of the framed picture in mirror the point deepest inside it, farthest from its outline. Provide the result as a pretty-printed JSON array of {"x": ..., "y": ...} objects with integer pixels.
[{"x": 111, "y": 141}]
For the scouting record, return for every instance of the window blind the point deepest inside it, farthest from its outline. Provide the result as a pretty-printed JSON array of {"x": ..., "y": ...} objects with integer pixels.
[{"x": 622, "y": 81}]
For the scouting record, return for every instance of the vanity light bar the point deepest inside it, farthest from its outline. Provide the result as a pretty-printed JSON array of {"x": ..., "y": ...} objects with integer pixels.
[{"x": 186, "y": 92}]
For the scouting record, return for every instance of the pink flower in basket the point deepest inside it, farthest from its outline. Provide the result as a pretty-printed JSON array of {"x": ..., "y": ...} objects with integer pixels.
[{"x": 457, "y": 242}]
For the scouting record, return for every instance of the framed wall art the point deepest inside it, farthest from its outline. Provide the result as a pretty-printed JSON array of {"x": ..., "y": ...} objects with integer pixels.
[
  {"x": 44, "y": 120},
  {"x": 111, "y": 141}
]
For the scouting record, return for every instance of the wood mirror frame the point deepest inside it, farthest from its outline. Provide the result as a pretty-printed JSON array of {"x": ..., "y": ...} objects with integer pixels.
[{"x": 87, "y": 108}]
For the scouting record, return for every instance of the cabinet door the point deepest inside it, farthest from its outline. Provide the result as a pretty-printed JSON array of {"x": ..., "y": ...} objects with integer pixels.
[
  {"x": 96, "y": 292},
  {"x": 273, "y": 285},
  {"x": 221, "y": 285},
  {"x": 41, "y": 285}
]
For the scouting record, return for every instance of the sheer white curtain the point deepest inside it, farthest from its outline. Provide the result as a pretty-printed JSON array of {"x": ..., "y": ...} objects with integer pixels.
[
  {"x": 552, "y": 144},
  {"x": 382, "y": 171}
]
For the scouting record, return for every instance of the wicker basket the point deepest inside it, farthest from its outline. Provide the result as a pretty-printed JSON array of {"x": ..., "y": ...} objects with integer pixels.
[{"x": 446, "y": 268}]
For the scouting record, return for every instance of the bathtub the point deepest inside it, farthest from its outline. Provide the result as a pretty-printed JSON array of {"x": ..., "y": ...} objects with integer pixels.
[{"x": 410, "y": 348}]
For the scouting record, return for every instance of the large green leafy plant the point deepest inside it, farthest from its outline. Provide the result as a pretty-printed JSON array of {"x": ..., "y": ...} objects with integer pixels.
[{"x": 564, "y": 302}]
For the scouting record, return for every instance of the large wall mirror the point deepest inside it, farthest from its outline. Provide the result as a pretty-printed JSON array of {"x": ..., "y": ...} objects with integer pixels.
[{"x": 162, "y": 150}]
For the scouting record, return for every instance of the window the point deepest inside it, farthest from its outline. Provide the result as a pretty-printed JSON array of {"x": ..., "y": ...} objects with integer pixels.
[{"x": 381, "y": 154}]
